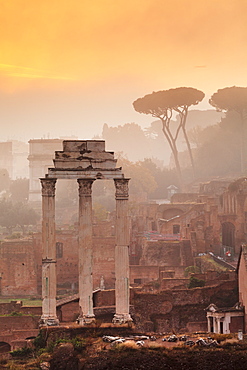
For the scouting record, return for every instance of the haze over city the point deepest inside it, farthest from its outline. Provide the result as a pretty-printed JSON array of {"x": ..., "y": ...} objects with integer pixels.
[{"x": 68, "y": 68}]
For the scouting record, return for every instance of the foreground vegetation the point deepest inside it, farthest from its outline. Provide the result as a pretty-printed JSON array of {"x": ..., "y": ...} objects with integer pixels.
[{"x": 92, "y": 353}]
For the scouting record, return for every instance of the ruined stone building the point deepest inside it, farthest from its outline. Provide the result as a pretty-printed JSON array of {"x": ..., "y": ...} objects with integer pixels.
[
  {"x": 213, "y": 220},
  {"x": 41, "y": 154},
  {"x": 242, "y": 281},
  {"x": 13, "y": 158},
  {"x": 165, "y": 239},
  {"x": 40, "y": 158}
]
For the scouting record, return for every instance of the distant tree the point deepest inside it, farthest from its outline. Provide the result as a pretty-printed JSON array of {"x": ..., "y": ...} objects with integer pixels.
[
  {"x": 142, "y": 179},
  {"x": 218, "y": 149},
  {"x": 25, "y": 215},
  {"x": 8, "y": 215},
  {"x": 66, "y": 193},
  {"x": 4, "y": 179},
  {"x": 163, "y": 177},
  {"x": 162, "y": 105},
  {"x": 13, "y": 214},
  {"x": 234, "y": 99},
  {"x": 123, "y": 138},
  {"x": 19, "y": 190}
]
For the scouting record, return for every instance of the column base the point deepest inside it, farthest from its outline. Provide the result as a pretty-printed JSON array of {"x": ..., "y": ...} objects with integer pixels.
[
  {"x": 122, "y": 318},
  {"x": 49, "y": 321},
  {"x": 85, "y": 320}
]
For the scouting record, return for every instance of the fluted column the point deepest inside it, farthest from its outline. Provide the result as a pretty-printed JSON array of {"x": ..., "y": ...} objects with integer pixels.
[
  {"x": 49, "y": 278},
  {"x": 122, "y": 252},
  {"x": 85, "y": 252}
]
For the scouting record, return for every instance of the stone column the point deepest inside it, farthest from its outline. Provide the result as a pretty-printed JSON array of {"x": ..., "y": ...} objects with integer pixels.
[
  {"x": 49, "y": 278},
  {"x": 85, "y": 252},
  {"x": 122, "y": 252},
  {"x": 215, "y": 325},
  {"x": 208, "y": 322}
]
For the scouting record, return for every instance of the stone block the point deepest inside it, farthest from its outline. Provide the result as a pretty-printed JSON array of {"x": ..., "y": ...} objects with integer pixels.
[
  {"x": 96, "y": 145},
  {"x": 84, "y": 155},
  {"x": 74, "y": 145},
  {"x": 84, "y": 163},
  {"x": 82, "y": 145}
]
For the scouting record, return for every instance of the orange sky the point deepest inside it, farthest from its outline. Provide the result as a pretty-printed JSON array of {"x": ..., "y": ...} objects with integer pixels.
[{"x": 94, "y": 57}]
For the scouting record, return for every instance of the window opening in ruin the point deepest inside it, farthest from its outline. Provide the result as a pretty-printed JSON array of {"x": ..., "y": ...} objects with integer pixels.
[
  {"x": 228, "y": 234},
  {"x": 211, "y": 324},
  {"x": 221, "y": 327},
  {"x": 46, "y": 286},
  {"x": 4, "y": 347},
  {"x": 154, "y": 226},
  {"x": 59, "y": 250},
  {"x": 137, "y": 281},
  {"x": 176, "y": 229}
]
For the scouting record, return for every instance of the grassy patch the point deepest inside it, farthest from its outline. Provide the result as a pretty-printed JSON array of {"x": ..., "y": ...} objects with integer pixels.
[{"x": 25, "y": 301}]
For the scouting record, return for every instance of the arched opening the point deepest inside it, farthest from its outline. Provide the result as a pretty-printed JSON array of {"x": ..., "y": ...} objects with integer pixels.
[
  {"x": 4, "y": 347},
  {"x": 228, "y": 235},
  {"x": 171, "y": 213},
  {"x": 176, "y": 229}
]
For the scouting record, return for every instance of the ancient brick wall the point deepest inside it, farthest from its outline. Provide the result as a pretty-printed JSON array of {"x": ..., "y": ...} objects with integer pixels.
[
  {"x": 173, "y": 283},
  {"x": 174, "y": 309},
  {"x": 166, "y": 253},
  {"x": 142, "y": 274},
  {"x": 242, "y": 280},
  {"x": 8, "y": 323},
  {"x": 18, "y": 268},
  {"x": 68, "y": 312},
  {"x": 104, "y": 261},
  {"x": 104, "y": 298},
  {"x": 67, "y": 260},
  {"x": 237, "y": 322},
  {"x": 7, "y": 308}
]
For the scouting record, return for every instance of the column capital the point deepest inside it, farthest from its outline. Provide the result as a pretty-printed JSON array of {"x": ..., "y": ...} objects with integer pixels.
[
  {"x": 122, "y": 188},
  {"x": 48, "y": 187},
  {"x": 85, "y": 187}
]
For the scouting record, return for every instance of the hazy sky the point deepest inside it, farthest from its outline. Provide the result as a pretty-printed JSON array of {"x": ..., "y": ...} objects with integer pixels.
[{"x": 67, "y": 67}]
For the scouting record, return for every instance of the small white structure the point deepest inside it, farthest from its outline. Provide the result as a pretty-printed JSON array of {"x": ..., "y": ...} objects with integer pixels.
[
  {"x": 225, "y": 320},
  {"x": 172, "y": 189}
]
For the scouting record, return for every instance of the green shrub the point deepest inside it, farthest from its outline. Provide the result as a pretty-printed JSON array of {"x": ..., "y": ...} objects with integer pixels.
[
  {"x": 15, "y": 313},
  {"x": 39, "y": 342},
  {"x": 78, "y": 344},
  {"x": 191, "y": 270},
  {"x": 22, "y": 352},
  {"x": 14, "y": 236},
  {"x": 194, "y": 282}
]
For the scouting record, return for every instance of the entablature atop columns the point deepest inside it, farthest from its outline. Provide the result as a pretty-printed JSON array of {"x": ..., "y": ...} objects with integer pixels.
[
  {"x": 84, "y": 159},
  {"x": 97, "y": 174}
]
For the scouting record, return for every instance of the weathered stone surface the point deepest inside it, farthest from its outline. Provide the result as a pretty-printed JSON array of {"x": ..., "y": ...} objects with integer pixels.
[
  {"x": 87, "y": 161},
  {"x": 174, "y": 309},
  {"x": 87, "y": 155},
  {"x": 64, "y": 358},
  {"x": 80, "y": 145},
  {"x": 96, "y": 173},
  {"x": 82, "y": 162}
]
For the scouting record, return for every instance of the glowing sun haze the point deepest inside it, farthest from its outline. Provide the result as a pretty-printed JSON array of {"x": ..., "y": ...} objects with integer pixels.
[{"x": 66, "y": 67}]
